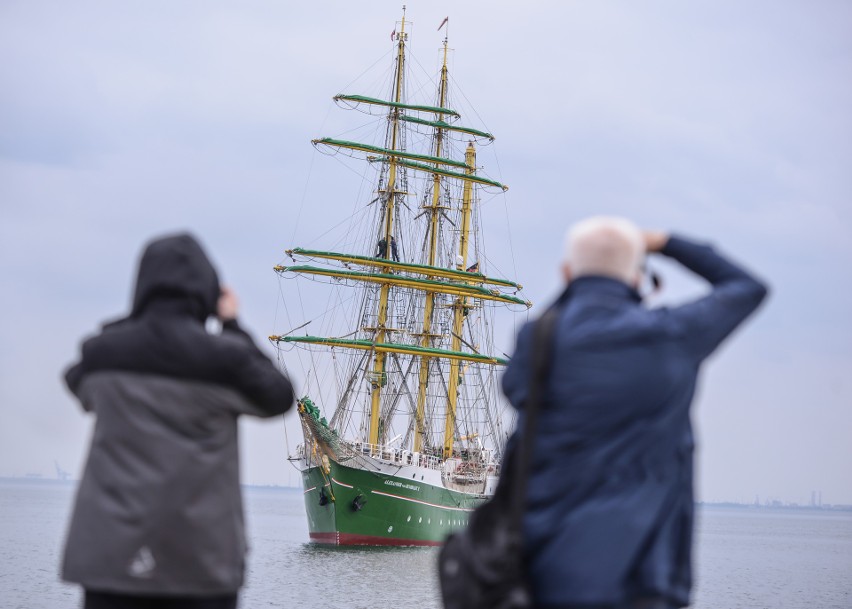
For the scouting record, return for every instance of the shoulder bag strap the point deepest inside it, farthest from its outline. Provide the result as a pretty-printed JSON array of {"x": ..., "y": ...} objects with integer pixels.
[{"x": 543, "y": 340}]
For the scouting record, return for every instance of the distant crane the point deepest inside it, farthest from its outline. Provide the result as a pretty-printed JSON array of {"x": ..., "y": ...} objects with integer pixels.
[{"x": 61, "y": 474}]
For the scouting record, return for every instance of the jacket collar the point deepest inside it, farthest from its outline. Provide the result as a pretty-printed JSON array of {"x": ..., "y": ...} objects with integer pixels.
[{"x": 600, "y": 285}]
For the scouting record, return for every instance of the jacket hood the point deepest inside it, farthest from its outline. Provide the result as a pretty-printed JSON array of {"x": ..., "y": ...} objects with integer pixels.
[{"x": 176, "y": 268}]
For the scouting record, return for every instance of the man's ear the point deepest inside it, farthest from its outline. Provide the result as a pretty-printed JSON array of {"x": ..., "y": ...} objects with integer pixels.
[
  {"x": 566, "y": 272},
  {"x": 637, "y": 280}
]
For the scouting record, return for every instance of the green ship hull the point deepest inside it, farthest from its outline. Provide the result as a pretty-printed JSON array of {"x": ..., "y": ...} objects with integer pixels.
[{"x": 354, "y": 507}]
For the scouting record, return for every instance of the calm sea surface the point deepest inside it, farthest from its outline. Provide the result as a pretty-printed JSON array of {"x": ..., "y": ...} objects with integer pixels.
[{"x": 749, "y": 559}]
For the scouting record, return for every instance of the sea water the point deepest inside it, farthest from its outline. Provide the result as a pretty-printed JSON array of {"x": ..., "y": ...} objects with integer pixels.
[{"x": 745, "y": 558}]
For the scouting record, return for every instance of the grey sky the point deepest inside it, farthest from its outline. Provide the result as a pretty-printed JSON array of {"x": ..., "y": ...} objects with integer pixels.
[{"x": 723, "y": 120}]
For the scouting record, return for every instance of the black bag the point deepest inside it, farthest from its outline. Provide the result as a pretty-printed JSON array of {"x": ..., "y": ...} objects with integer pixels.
[{"x": 481, "y": 567}]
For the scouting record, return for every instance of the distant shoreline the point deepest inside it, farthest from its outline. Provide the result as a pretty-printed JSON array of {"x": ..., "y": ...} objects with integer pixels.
[
  {"x": 775, "y": 506},
  {"x": 73, "y": 482},
  {"x": 763, "y": 507}
]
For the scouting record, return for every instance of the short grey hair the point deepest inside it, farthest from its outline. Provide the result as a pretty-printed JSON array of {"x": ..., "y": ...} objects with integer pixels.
[{"x": 605, "y": 245}]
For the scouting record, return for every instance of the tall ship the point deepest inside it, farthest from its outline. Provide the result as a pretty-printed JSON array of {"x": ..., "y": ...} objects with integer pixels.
[{"x": 412, "y": 439}]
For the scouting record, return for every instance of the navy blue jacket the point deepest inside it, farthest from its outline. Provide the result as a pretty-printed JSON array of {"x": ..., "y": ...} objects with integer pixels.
[{"x": 610, "y": 506}]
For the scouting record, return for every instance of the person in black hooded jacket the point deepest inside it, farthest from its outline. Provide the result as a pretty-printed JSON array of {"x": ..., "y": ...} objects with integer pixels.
[{"x": 158, "y": 518}]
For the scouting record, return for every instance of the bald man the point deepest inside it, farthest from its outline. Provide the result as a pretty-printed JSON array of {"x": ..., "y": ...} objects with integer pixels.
[{"x": 609, "y": 516}]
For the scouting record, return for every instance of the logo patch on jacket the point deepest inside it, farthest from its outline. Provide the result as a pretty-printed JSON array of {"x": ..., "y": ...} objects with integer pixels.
[{"x": 143, "y": 564}]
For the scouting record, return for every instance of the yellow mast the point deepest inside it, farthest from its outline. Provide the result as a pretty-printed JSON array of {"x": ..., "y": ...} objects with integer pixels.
[
  {"x": 459, "y": 307},
  {"x": 379, "y": 365},
  {"x": 435, "y": 210}
]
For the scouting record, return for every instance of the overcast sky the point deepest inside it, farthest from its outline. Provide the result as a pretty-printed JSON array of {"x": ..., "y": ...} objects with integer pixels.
[{"x": 728, "y": 121}]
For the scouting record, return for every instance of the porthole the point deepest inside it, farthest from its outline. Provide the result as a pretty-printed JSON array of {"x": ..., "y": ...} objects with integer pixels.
[
  {"x": 419, "y": 520},
  {"x": 408, "y": 519},
  {"x": 390, "y": 529}
]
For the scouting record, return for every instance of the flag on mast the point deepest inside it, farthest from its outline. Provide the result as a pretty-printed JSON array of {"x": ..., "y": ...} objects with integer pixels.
[{"x": 443, "y": 23}]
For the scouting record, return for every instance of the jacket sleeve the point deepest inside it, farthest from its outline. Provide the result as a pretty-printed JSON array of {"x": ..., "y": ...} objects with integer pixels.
[
  {"x": 735, "y": 295},
  {"x": 73, "y": 376},
  {"x": 257, "y": 377}
]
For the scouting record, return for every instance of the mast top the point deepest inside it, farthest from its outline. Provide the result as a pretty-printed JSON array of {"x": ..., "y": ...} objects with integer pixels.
[
  {"x": 444, "y": 66},
  {"x": 446, "y": 22}
]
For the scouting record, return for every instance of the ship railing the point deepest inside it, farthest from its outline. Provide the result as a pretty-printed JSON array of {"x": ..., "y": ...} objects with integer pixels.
[{"x": 397, "y": 455}]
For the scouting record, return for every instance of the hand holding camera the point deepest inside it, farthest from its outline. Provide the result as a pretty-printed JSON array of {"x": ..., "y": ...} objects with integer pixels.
[{"x": 228, "y": 305}]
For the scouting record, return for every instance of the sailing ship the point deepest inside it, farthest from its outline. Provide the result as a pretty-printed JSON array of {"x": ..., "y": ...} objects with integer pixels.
[{"x": 414, "y": 436}]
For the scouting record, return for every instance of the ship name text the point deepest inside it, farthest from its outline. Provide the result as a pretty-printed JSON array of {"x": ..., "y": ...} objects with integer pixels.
[{"x": 399, "y": 484}]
